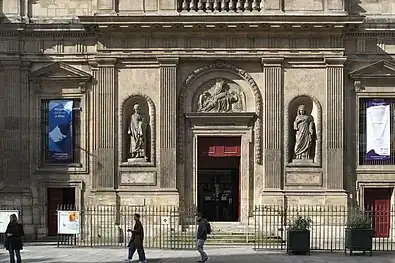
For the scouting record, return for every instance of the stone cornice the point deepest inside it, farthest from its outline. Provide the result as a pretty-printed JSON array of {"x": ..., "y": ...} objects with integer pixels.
[{"x": 222, "y": 22}]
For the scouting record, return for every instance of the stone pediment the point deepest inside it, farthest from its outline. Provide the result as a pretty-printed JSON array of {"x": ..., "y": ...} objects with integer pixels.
[
  {"x": 378, "y": 70},
  {"x": 60, "y": 71}
]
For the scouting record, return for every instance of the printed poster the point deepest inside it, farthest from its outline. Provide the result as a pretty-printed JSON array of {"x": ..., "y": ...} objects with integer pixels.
[
  {"x": 68, "y": 222},
  {"x": 378, "y": 130}
]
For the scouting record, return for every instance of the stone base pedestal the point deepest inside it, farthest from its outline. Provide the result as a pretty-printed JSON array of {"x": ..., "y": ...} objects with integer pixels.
[
  {"x": 272, "y": 197},
  {"x": 303, "y": 197},
  {"x": 152, "y": 197}
]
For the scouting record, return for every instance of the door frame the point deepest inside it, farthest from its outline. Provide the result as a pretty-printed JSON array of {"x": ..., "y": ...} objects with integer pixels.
[
  {"x": 44, "y": 185},
  {"x": 245, "y": 170},
  {"x": 362, "y": 184}
]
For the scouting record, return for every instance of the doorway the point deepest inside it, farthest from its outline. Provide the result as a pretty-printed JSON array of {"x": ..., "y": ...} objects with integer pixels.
[
  {"x": 219, "y": 178},
  {"x": 378, "y": 204},
  {"x": 56, "y": 197}
]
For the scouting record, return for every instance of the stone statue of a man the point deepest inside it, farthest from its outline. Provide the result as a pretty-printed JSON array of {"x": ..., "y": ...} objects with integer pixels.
[
  {"x": 305, "y": 134},
  {"x": 137, "y": 132}
]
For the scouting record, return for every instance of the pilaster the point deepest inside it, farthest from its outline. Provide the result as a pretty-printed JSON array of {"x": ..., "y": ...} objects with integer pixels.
[
  {"x": 168, "y": 122},
  {"x": 104, "y": 121},
  {"x": 273, "y": 125},
  {"x": 335, "y": 122},
  {"x": 13, "y": 136}
]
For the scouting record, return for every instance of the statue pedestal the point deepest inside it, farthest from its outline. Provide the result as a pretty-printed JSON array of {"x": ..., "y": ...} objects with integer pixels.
[
  {"x": 137, "y": 160},
  {"x": 302, "y": 161}
]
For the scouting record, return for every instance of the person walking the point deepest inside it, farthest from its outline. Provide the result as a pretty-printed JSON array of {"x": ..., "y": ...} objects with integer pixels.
[
  {"x": 201, "y": 236},
  {"x": 13, "y": 239},
  {"x": 136, "y": 241}
]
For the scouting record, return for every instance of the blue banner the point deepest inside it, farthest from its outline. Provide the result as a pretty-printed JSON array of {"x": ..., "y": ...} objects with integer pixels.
[{"x": 60, "y": 130}]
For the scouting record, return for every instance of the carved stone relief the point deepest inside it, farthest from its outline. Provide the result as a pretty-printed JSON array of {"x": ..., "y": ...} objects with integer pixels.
[
  {"x": 303, "y": 125},
  {"x": 138, "y": 131},
  {"x": 221, "y": 98},
  {"x": 257, "y": 98}
]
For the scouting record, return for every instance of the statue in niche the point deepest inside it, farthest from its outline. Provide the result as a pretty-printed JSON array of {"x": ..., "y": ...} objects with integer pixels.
[
  {"x": 137, "y": 132},
  {"x": 305, "y": 135},
  {"x": 221, "y": 99}
]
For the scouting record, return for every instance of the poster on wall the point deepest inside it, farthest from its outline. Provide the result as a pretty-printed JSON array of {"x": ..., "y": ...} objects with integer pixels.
[
  {"x": 5, "y": 218},
  {"x": 378, "y": 130},
  {"x": 60, "y": 132},
  {"x": 68, "y": 222}
]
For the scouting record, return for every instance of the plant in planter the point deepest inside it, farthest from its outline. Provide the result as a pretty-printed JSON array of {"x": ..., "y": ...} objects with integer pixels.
[
  {"x": 359, "y": 232},
  {"x": 298, "y": 236}
]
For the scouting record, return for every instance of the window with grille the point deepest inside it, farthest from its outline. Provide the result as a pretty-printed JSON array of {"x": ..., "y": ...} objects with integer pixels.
[
  {"x": 76, "y": 128},
  {"x": 363, "y": 104}
]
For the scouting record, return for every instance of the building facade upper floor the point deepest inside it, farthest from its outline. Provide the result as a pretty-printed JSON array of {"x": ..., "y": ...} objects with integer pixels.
[{"x": 52, "y": 11}]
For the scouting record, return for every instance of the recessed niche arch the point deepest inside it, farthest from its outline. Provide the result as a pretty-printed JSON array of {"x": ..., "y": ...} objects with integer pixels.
[
  {"x": 148, "y": 112},
  {"x": 313, "y": 109}
]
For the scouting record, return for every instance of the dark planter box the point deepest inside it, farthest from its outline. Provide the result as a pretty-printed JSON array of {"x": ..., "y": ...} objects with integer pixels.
[
  {"x": 298, "y": 242},
  {"x": 358, "y": 240}
]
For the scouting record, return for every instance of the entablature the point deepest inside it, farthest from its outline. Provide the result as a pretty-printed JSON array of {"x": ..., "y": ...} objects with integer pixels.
[{"x": 223, "y": 23}]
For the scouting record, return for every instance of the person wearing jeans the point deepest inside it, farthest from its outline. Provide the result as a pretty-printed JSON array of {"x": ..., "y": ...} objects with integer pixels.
[
  {"x": 13, "y": 241},
  {"x": 201, "y": 236}
]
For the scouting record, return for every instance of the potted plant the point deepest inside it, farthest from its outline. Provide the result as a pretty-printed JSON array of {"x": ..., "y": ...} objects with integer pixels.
[
  {"x": 359, "y": 232},
  {"x": 298, "y": 236}
]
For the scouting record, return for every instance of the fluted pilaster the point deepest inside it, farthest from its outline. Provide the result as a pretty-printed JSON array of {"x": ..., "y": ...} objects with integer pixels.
[
  {"x": 335, "y": 122},
  {"x": 104, "y": 135},
  {"x": 14, "y": 138},
  {"x": 273, "y": 125},
  {"x": 168, "y": 122}
]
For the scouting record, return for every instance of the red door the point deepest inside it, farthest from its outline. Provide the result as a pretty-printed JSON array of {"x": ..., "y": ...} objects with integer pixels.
[
  {"x": 378, "y": 203},
  {"x": 55, "y": 198},
  {"x": 382, "y": 218}
]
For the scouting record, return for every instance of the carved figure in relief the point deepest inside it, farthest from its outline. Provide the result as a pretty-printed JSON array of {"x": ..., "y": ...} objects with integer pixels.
[
  {"x": 137, "y": 132},
  {"x": 305, "y": 134},
  {"x": 221, "y": 99}
]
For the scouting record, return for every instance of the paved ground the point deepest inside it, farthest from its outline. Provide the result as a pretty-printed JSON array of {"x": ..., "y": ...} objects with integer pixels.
[{"x": 46, "y": 254}]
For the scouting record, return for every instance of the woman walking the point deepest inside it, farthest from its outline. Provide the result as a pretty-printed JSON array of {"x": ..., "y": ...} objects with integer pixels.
[{"x": 13, "y": 239}]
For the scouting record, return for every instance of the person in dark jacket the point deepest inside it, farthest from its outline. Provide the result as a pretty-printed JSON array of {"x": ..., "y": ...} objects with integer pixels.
[
  {"x": 201, "y": 236},
  {"x": 136, "y": 241},
  {"x": 13, "y": 241}
]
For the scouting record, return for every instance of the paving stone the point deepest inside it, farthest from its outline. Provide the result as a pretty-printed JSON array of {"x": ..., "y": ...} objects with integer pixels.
[{"x": 47, "y": 254}]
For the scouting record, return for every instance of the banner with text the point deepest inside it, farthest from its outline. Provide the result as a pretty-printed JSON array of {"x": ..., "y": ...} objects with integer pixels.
[
  {"x": 378, "y": 130},
  {"x": 60, "y": 132}
]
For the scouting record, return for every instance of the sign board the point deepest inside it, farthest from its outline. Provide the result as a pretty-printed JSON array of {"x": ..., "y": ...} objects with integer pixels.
[
  {"x": 5, "y": 218},
  {"x": 69, "y": 222},
  {"x": 165, "y": 220}
]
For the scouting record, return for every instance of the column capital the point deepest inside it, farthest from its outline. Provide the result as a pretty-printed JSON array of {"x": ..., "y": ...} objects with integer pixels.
[
  {"x": 168, "y": 61},
  {"x": 272, "y": 61},
  {"x": 335, "y": 61},
  {"x": 103, "y": 63}
]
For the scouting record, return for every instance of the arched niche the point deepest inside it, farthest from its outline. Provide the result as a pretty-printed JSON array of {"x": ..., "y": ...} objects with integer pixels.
[
  {"x": 147, "y": 110},
  {"x": 210, "y": 72},
  {"x": 313, "y": 110}
]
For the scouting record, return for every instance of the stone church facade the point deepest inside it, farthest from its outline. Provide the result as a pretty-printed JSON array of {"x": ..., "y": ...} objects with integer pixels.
[{"x": 266, "y": 97}]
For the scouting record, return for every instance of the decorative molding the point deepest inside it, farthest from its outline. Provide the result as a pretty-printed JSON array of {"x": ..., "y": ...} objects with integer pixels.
[
  {"x": 220, "y": 65},
  {"x": 318, "y": 124},
  {"x": 227, "y": 119},
  {"x": 358, "y": 87},
  {"x": 70, "y": 74},
  {"x": 152, "y": 123},
  {"x": 381, "y": 69}
]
